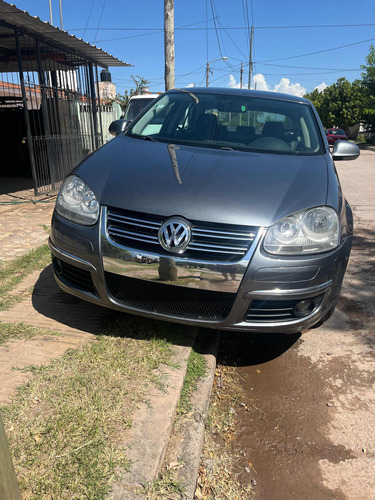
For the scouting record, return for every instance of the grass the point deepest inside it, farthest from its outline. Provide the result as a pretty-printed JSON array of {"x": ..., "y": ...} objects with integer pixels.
[
  {"x": 10, "y": 331},
  {"x": 164, "y": 487},
  {"x": 65, "y": 424},
  {"x": 168, "y": 485},
  {"x": 15, "y": 271},
  {"x": 217, "y": 478},
  {"x": 196, "y": 369}
]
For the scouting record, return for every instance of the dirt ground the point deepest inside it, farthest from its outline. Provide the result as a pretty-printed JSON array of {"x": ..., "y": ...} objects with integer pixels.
[{"x": 308, "y": 429}]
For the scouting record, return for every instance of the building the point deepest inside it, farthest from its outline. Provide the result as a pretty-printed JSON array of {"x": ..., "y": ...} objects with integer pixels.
[{"x": 51, "y": 114}]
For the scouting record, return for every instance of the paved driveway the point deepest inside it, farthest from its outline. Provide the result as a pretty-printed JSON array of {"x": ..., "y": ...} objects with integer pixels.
[{"x": 310, "y": 432}]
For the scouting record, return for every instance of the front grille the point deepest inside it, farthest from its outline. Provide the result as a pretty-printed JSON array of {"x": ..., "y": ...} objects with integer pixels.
[
  {"x": 75, "y": 276},
  {"x": 170, "y": 299},
  {"x": 277, "y": 310},
  {"x": 210, "y": 241}
]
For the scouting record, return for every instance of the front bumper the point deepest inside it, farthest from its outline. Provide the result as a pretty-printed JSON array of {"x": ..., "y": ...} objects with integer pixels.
[{"x": 258, "y": 293}]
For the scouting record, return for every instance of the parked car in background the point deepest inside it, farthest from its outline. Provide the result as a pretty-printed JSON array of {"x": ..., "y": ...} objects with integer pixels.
[
  {"x": 218, "y": 208},
  {"x": 336, "y": 134},
  {"x": 136, "y": 104}
]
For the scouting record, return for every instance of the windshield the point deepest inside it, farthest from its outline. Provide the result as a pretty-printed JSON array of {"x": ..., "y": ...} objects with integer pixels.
[
  {"x": 227, "y": 121},
  {"x": 135, "y": 106},
  {"x": 337, "y": 132}
]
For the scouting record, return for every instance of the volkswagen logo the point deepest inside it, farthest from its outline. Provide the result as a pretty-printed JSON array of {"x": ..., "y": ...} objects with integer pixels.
[{"x": 174, "y": 235}]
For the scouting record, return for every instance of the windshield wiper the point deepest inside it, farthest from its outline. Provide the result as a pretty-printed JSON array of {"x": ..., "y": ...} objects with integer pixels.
[{"x": 145, "y": 138}]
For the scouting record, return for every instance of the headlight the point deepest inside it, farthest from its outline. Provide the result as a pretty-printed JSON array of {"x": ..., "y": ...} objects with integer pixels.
[
  {"x": 77, "y": 202},
  {"x": 310, "y": 231}
]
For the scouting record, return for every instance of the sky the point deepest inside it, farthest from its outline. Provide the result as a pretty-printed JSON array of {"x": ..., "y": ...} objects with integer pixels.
[{"x": 297, "y": 46}]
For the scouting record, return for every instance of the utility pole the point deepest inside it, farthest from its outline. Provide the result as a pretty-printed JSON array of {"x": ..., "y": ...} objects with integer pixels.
[
  {"x": 61, "y": 19},
  {"x": 50, "y": 13},
  {"x": 251, "y": 55},
  {"x": 169, "y": 44},
  {"x": 207, "y": 73},
  {"x": 9, "y": 488},
  {"x": 241, "y": 75}
]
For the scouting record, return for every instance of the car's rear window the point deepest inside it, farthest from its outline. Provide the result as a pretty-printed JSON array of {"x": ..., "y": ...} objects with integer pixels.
[
  {"x": 227, "y": 121},
  {"x": 337, "y": 132}
]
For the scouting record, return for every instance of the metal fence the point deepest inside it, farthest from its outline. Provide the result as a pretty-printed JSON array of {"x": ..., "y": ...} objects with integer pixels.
[{"x": 49, "y": 109}]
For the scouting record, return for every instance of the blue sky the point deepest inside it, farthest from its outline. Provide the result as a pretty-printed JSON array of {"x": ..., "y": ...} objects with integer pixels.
[{"x": 206, "y": 30}]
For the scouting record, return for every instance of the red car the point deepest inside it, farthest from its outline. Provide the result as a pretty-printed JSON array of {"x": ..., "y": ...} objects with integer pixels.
[{"x": 336, "y": 134}]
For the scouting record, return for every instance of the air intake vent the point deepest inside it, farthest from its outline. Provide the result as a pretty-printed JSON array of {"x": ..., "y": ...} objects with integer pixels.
[
  {"x": 170, "y": 299},
  {"x": 75, "y": 276}
]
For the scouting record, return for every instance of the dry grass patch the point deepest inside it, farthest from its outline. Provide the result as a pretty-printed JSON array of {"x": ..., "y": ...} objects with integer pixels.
[
  {"x": 22, "y": 331},
  {"x": 13, "y": 272},
  {"x": 217, "y": 478},
  {"x": 65, "y": 424}
]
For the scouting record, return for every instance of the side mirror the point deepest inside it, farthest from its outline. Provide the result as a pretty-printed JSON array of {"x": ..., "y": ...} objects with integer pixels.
[
  {"x": 117, "y": 127},
  {"x": 345, "y": 150}
]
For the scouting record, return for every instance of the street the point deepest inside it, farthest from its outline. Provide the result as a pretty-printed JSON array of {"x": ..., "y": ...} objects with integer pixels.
[{"x": 307, "y": 431}]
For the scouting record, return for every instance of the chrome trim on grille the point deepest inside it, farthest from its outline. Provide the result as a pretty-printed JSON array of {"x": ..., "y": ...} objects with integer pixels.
[
  {"x": 288, "y": 293},
  {"x": 214, "y": 275},
  {"x": 66, "y": 255},
  {"x": 122, "y": 227}
]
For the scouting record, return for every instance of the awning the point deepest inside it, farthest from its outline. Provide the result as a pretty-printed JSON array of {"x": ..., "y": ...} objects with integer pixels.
[{"x": 35, "y": 27}]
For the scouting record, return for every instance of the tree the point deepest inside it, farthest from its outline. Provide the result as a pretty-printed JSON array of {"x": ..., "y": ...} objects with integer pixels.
[
  {"x": 140, "y": 86},
  {"x": 340, "y": 104},
  {"x": 368, "y": 86}
]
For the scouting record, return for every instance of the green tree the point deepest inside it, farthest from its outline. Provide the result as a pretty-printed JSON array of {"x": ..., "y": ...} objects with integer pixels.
[
  {"x": 368, "y": 86},
  {"x": 340, "y": 104},
  {"x": 140, "y": 85}
]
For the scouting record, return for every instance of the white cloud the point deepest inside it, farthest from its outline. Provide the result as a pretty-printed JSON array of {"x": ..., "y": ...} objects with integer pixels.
[
  {"x": 260, "y": 83},
  {"x": 232, "y": 83},
  {"x": 190, "y": 85},
  {"x": 321, "y": 87},
  {"x": 290, "y": 88}
]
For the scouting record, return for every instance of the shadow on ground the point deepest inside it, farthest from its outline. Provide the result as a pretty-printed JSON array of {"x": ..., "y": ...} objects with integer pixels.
[{"x": 71, "y": 312}]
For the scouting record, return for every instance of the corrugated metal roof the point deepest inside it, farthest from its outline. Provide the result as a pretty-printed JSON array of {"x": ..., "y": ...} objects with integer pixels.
[{"x": 35, "y": 26}]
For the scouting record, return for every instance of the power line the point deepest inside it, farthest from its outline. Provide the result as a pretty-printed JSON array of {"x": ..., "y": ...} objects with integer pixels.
[
  {"x": 215, "y": 16},
  {"x": 234, "y": 43},
  {"x": 150, "y": 32},
  {"x": 317, "y": 52},
  {"x": 228, "y": 28},
  {"x": 88, "y": 19},
  {"x": 313, "y": 26},
  {"x": 100, "y": 19},
  {"x": 308, "y": 67}
]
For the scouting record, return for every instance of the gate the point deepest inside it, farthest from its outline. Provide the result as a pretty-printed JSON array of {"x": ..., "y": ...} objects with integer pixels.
[{"x": 55, "y": 93}]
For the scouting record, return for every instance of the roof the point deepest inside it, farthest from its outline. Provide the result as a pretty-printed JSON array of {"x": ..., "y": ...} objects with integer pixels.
[
  {"x": 34, "y": 26},
  {"x": 244, "y": 92}
]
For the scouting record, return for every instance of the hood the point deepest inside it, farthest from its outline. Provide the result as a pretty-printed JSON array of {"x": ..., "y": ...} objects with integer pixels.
[{"x": 230, "y": 187}]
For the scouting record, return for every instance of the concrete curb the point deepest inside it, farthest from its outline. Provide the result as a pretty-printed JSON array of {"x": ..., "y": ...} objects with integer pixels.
[
  {"x": 153, "y": 425},
  {"x": 186, "y": 447}
]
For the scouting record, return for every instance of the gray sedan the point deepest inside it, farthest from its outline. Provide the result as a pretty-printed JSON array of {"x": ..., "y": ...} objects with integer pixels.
[{"x": 215, "y": 207}]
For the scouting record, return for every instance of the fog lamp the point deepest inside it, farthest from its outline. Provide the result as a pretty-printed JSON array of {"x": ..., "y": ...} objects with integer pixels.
[
  {"x": 57, "y": 266},
  {"x": 304, "y": 308}
]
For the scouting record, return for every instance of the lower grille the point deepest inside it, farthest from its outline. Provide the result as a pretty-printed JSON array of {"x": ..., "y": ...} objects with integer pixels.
[
  {"x": 277, "y": 310},
  {"x": 170, "y": 299},
  {"x": 75, "y": 276}
]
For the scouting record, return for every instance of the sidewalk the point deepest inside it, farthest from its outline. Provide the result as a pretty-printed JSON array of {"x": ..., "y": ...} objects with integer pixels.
[
  {"x": 23, "y": 227},
  {"x": 23, "y": 223}
]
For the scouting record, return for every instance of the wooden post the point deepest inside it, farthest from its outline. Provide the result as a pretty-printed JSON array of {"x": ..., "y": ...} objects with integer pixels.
[
  {"x": 251, "y": 55},
  {"x": 169, "y": 44},
  {"x": 9, "y": 489},
  {"x": 241, "y": 76}
]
